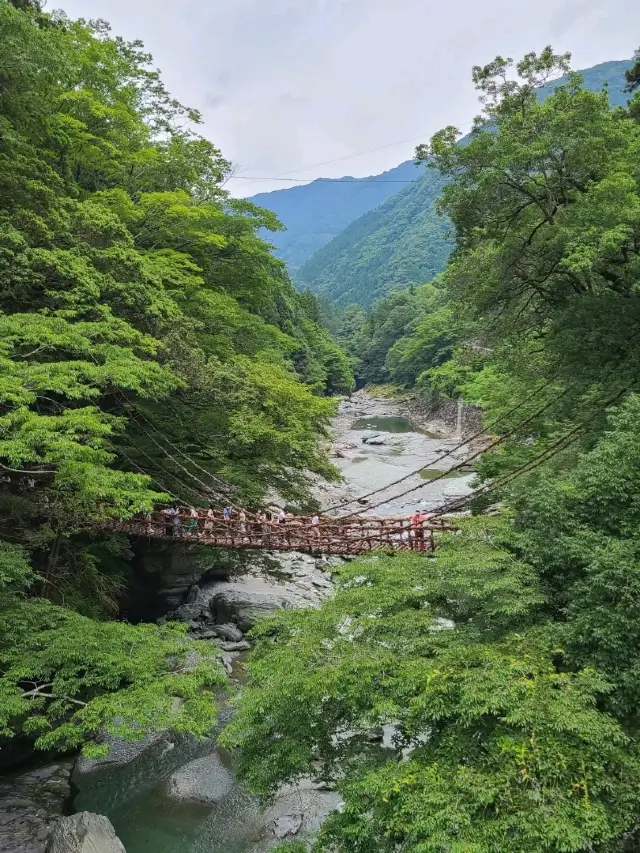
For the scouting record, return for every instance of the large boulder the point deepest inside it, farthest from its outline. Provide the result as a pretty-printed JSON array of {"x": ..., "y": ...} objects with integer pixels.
[
  {"x": 230, "y": 633},
  {"x": 84, "y": 833},
  {"x": 121, "y": 752},
  {"x": 205, "y": 780},
  {"x": 29, "y": 806},
  {"x": 246, "y": 600},
  {"x": 187, "y": 612},
  {"x": 298, "y": 809}
]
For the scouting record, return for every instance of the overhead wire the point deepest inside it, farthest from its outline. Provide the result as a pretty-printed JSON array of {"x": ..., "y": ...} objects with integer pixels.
[
  {"x": 330, "y": 180},
  {"x": 561, "y": 444},
  {"x": 283, "y": 175},
  {"x": 168, "y": 473},
  {"x": 224, "y": 486},
  {"x": 154, "y": 479},
  {"x": 548, "y": 453},
  {"x": 208, "y": 490},
  {"x": 465, "y": 462}
]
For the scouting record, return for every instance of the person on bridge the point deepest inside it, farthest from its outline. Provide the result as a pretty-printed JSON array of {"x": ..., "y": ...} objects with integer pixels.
[
  {"x": 242, "y": 518},
  {"x": 315, "y": 526},
  {"x": 208, "y": 522},
  {"x": 177, "y": 522},
  {"x": 266, "y": 528},
  {"x": 227, "y": 512},
  {"x": 417, "y": 523},
  {"x": 193, "y": 521},
  {"x": 171, "y": 513}
]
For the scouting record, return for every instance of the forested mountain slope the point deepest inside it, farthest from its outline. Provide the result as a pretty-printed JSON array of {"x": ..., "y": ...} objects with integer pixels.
[
  {"x": 315, "y": 213},
  {"x": 403, "y": 242}
]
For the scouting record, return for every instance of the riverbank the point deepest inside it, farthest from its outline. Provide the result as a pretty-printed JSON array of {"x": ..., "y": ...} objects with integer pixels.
[{"x": 382, "y": 444}]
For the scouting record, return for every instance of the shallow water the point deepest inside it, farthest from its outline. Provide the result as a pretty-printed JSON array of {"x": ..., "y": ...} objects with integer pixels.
[
  {"x": 434, "y": 473},
  {"x": 393, "y": 424},
  {"x": 148, "y": 820},
  {"x": 409, "y": 454}
]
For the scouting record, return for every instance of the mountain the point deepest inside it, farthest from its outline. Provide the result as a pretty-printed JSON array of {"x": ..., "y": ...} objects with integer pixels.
[
  {"x": 404, "y": 241},
  {"x": 315, "y": 213}
]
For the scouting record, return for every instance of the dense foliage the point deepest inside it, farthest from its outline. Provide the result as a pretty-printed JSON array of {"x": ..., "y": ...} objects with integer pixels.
[
  {"x": 402, "y": 338},
  {"x": 506, "y": 665},
  {"x": 150, "y": 345},
  {"x": 315, "y": 213}
]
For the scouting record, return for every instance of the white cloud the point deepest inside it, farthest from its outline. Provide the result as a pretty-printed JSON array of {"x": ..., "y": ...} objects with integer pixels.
[{"x": 285, "y": 84}]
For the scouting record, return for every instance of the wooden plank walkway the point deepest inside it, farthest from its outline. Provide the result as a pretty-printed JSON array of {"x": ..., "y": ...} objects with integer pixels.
[{"x": 352, "y": 535}]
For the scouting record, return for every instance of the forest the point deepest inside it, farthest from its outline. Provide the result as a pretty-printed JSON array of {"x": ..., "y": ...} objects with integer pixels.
[
  {"x": 152, "y": 349},
  {"x": 506, "y": 665}
]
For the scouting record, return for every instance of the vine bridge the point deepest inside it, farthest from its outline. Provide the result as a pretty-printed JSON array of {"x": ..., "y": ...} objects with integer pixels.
[{"x": 350, "y": 535}]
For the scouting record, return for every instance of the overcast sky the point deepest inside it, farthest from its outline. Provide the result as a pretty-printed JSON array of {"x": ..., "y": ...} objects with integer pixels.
[{"x": 284, "y": 85}]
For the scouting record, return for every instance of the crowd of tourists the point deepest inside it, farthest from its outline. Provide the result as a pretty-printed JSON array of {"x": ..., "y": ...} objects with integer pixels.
[
  {"x": 269, "y": 526},
  {"x": 201, "y": 523}
]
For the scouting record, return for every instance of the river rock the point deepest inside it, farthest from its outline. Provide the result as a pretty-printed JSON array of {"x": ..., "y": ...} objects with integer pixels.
[
  {"x": 302, "y": 807},
  {"x": 372, "y": 439},
  {"x": 187, "y": 612},
  {"x": 84, "y": 833},
  {"x": 121, "y": 752},
  {"x": 288, "y": 824},
  {"x": 205, "y": 780},
  {"x": 243, "y": 603},
  {"x": 242, "y": 646},
  {"x": 29, "y": 806},
  {"x": 227, "y": 632}
]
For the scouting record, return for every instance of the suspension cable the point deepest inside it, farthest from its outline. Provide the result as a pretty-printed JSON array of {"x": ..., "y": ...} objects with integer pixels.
[{"x": 449, "y": 452}]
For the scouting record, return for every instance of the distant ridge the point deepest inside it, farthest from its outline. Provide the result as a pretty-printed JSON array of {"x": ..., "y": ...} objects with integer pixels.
[
  {"x": 404, "y": 241},
  {"x": 317, "y": 212}
]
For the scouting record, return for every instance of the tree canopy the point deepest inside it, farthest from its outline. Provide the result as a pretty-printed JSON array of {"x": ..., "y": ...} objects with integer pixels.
[
  {"x": 500, "y": 673},
  {"x": 152, "y": 348}
]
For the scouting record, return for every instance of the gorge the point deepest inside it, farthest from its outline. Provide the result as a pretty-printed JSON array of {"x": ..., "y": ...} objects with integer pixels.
[{"x": 479, "y": 696}]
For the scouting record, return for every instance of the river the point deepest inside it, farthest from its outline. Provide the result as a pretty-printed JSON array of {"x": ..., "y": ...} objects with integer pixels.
[{"x": 140, "y": 797}]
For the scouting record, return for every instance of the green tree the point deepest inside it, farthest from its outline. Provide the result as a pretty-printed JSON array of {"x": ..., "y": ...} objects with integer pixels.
[
  {"x": 151, "y": 347},
  {"x": 505, "y": 665}
]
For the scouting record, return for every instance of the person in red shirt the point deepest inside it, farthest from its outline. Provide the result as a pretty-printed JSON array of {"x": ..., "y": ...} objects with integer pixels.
[{"x": 417, "y": 525}]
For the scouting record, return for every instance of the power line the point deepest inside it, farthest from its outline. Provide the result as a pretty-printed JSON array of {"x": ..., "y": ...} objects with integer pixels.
[
  {"x": 330, "y": 180},
  {"x": 208, "y": 490},
  {"x": 475, "y": 455},
  {"x": 557, "y": 447},
  {"x": 357, "y": 154},
  {"x": 165, "y": 472},
  {"x": 347, "y": 157},
  {"x": 224, "y": 487},
  {"x": 561, "y": 444},
  {"x": 146, "y": 473},
  {"x": 494, "y": 423}
]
